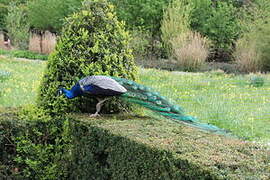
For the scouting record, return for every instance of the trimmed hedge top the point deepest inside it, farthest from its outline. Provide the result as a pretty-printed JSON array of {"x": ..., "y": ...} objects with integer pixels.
[
  {"x": 121, "y": 147},
  {"x": 194, "y": 153}
]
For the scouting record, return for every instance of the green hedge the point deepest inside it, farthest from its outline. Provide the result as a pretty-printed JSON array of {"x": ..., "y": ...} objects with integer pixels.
[{"x": 121, "y": 147}]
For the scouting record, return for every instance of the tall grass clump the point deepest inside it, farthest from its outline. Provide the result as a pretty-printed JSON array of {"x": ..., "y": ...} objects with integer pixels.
[
  {"x": 252, "y": 52},
  {"x": 190, "y": 50},
  {"x": 247, "y": 55}
]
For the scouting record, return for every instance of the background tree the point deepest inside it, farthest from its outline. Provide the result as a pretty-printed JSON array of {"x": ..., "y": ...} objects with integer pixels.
[
  {"x": 3, "y": 13},
  {"x": 17, "y": 25},
  {"x": 50, "y": 14}
]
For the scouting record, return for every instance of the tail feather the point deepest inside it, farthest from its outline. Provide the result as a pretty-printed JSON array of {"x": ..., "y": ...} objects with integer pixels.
[{"x": 144, "y": 96}]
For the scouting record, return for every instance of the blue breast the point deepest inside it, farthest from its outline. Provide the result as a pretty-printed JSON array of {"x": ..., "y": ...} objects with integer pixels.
[{"x": 76, "y": 90}]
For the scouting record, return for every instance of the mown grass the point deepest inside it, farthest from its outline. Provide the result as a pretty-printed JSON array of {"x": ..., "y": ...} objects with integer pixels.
[
  {"x": 224, "y": 100},
  {"x": 21, "y": 87}
]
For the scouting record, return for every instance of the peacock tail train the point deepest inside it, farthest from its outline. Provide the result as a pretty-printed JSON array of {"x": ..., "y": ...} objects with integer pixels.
[{"x": 144, "y": 96}]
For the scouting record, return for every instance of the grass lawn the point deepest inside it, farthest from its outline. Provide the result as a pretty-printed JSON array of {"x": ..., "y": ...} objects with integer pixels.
[
  {"x": 227, "y": 101},
  {"x": 21, "y": 87}
]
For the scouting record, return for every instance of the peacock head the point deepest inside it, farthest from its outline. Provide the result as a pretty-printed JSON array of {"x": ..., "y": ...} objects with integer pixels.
[
  {"x": 68, "y": 94},
  {"x": 60, "y": 91}
]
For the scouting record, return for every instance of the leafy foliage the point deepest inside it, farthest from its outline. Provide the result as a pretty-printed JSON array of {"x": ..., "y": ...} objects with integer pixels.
[
  {"x": 92, "y": 42},
  {"x": 140, "y": 43},
  {"x": 216, "y": 20},
  {"x": 188, "y": 48},
  {"x": 4, "y": 10},
  {"x": 35, "y": 145},
  {"x": 39, "y": 148}
]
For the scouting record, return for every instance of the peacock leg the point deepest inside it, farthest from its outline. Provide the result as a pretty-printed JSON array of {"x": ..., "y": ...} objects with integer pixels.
[{"x": 98, "y": 107}]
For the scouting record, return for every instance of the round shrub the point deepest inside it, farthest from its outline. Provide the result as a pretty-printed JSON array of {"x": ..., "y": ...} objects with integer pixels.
[
  {"x": 256, "y": 81},
  {"x": 92, "y": 42}
]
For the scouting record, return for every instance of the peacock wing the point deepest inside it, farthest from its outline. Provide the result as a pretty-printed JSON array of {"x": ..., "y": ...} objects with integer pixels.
[{"x": 103, "y": 82}]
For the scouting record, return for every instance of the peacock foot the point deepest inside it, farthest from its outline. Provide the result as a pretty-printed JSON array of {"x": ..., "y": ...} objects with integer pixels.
[{"x": 94, "y": 115}]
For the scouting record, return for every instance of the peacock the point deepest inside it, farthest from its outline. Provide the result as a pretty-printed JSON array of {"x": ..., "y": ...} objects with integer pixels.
[{"x": 103, "y": 87}]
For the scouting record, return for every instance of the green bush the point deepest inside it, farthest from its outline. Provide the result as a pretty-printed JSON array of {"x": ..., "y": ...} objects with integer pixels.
[
  {"x": 54, "y": 10},
  {"x": 140, "y": 43},
  {"x": 256, "y": 81},
  {"x": 9, "y": 127},
  {"x": 23, "y": 54},
  {"x": 17, "y": 25},
  {"x": 92, "y": 42},
  {"x": 34, "y": 147},
  {"x": 263, "y": 46},
  {"x": 39, "y": 149}
]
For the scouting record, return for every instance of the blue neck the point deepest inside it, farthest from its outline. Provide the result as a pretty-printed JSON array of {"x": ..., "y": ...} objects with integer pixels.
[
  {"x": 68, "y": 93},
  {"x": 74, "y": 92}
]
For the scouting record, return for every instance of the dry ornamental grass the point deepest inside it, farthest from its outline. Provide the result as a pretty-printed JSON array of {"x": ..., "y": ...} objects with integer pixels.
[{"x": 190, "y": 50}]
